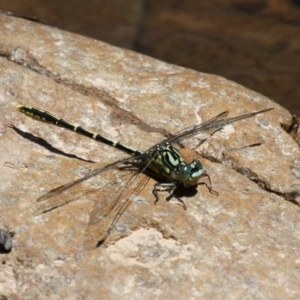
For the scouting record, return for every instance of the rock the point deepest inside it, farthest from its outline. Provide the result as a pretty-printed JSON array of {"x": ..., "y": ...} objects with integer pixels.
[
  {"x": 5, "y": 241},
  {"x": 250, "y": 42},
  {"x": 244, "y": 241},
  {"x": 293, "y": 129}
]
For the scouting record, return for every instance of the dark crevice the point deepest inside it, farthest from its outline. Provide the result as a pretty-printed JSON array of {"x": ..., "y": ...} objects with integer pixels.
[
  {"x": 25, "y": 17},
  {"x": 23, "y": 58},
  {"x": 293, "y": 129},
  {"x": 290, "y": 196}
]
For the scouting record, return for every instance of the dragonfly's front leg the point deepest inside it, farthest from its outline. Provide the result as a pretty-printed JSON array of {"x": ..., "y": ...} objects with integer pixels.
[
  {"x": 169, "y": 187},
  {"x": 209, "y": 186}
]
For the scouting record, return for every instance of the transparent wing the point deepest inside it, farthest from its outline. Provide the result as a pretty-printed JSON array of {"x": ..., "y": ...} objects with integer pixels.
[
  {"x": 212, "y": 125},
  {"x": 105, "y": 214},
  {"x": 121, "y": 183},
  {"x": 72, "y": 190}
]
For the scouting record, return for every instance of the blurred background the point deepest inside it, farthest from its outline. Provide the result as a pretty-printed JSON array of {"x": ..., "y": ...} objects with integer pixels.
[{"x": 253, "y": 42}]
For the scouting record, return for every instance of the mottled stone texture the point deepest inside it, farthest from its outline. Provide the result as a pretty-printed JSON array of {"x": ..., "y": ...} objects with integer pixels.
[
  {"x": 252, "y": 42},
  {"x": 243, "y": 243}
]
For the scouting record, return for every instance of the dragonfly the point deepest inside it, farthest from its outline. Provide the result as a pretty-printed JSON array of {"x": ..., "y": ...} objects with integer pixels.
[{"x": 162, "y": 161}]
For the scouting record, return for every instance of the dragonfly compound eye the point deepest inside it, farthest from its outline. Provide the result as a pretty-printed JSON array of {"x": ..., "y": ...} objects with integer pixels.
[
  {"x": 196, "y": 170},
  {"x": 190, "y": 173}
]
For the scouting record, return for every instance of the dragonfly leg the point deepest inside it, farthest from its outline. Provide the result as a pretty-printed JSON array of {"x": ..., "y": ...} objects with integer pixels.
[
  {"x": 169, "y": 187},
  {"x": 209, "y": 185}
]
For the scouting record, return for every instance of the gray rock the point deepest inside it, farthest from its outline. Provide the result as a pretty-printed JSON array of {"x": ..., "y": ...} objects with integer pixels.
[
  {"x": 243, "y": 242},
  {"x": 5, "y": 241}
]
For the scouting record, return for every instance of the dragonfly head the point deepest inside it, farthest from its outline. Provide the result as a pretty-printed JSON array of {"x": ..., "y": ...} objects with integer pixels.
[{"x": 189, "y": 174}]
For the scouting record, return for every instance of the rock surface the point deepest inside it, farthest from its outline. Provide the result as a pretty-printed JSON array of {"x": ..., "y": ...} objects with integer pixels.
[
  {"x": 252, "y": 42},
  {"x": 243, "y": 243}
]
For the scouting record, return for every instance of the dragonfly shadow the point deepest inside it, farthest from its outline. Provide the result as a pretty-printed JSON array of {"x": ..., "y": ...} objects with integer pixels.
[
  {"x": 178, "y": 193},
  {"x": 184, "y": 191},
  {"x": 45, "y": 144},
  {"x": 187, "y": 192}
]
